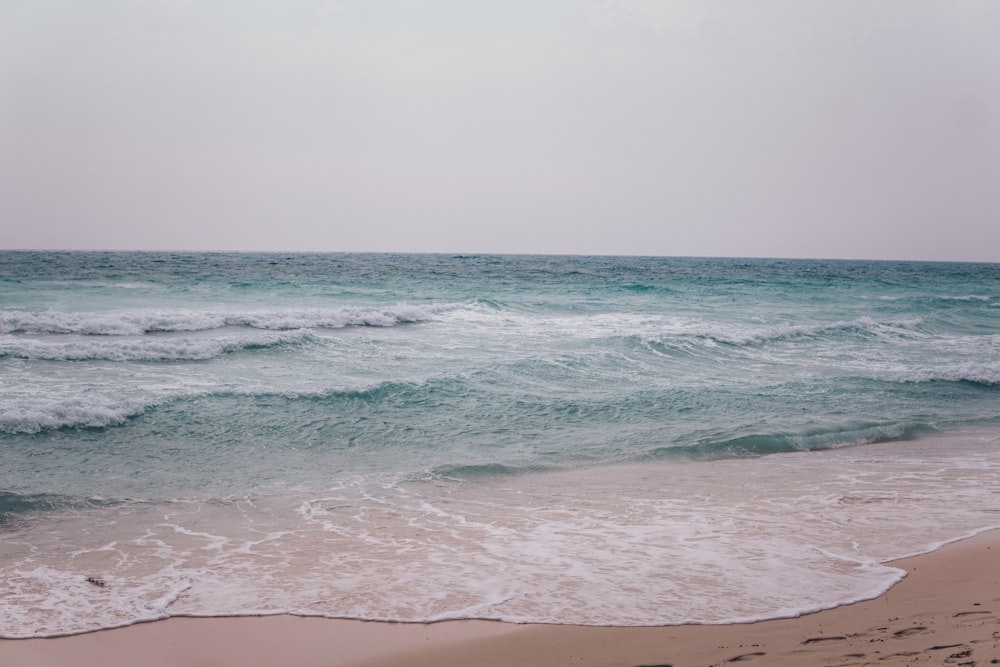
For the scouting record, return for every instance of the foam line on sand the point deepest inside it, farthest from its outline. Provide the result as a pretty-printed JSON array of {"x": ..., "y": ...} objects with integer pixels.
[{"x": 946, "y": 611}]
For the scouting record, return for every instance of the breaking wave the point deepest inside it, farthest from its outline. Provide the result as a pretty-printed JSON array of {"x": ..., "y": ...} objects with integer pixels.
[
  {"x": 31, "y": 415},
  {"x": 126, "y": 323},
  {"x": 986, "y": 373},
  {"x": 155, "y": 349},
  {"x": 762, "y": 444},
  {"x": 862, "y": 326}
]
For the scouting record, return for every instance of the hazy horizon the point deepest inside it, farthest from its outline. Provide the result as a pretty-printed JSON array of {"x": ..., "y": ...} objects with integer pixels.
[
  {"x": 459, "y": 253},
  {"x": 847, "y": 130}
]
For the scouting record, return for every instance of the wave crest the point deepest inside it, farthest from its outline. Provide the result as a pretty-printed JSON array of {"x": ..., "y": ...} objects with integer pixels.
[
  {"x": 28, "y": 415},
  {"x": 762, "y": 444},
  {"x": 986, "y": 374},
  {"x": 15, "y": 504},
  {"x": 33, "y": 416},
  {"x": 130, "y": 323},
  {"x": 162, "y": 349},
  {"x": 862, "y": 326}
]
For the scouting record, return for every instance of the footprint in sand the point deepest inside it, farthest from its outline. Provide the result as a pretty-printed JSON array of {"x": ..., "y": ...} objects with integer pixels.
[
  {"x": 906, "y": 632},
  {"x": 746, "y": 656},
  {"x": 961, "y": 655},
  {"x": 905, "y": 654}
]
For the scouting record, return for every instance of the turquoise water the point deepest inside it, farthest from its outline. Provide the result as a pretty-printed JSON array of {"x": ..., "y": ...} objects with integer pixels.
[{"x": 231, "y": 433}]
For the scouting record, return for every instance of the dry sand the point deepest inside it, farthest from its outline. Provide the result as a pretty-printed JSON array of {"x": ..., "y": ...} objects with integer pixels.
[{"x": 946, "y": 612}]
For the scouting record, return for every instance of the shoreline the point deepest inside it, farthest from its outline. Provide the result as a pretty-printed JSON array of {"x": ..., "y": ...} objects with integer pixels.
[{"x": 945, "y": 611}]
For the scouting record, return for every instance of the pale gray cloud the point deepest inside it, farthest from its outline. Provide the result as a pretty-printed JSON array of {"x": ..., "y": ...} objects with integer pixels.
[{"x": 848, "y": 129}]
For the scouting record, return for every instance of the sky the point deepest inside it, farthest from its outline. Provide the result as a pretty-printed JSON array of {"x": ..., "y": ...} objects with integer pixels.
[{"x": 773, "y": 128}]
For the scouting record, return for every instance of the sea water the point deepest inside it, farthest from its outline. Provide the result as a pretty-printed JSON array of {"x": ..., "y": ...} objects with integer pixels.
[{"x": 594, "y": 440}]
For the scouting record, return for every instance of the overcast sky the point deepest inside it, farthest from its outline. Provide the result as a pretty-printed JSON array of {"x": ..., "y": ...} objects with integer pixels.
[{"x": 794, "y": 128}]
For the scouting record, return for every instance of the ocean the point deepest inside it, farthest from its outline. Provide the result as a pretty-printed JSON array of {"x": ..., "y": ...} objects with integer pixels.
[{"x": 558, "y": 439}]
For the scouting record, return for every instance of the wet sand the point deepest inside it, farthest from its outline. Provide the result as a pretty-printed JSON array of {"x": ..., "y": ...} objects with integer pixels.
[{"x": 945, "y": 612}]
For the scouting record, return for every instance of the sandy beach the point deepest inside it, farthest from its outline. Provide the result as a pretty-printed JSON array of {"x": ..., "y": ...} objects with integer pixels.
[{"x": 946, "y": 611}]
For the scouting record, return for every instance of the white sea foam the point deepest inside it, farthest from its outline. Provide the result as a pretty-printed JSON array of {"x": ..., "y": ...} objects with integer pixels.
[
  {"x": 124, "y": 323},
  {"x": 664, "y": 328},
  {"x": 114, "y": 323},
  {"x": 60, "y": 600}
]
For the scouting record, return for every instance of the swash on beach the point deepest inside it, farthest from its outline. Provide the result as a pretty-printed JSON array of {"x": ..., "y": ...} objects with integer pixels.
[{"x": 590, "y": 440}]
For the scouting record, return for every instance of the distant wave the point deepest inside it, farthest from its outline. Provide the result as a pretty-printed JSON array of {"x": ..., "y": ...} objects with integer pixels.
[
  {"x": 863, "y": 326},
  {"x": 640, "y": 287},
  {"x": 399, "y": 391},
  {"x": 967, "y": 297},
  {"x": 155, "y": 349},
  {"x": 125, "y": 323},
  {"x": 762, "y": 444},
  {"x": 33, "y": 415},
  {"x": 475, "y": 471},
  {"x": 986, "y": 373},
  {"x": 943, "y": 299},
  {"x": 14, "y": 504}
]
